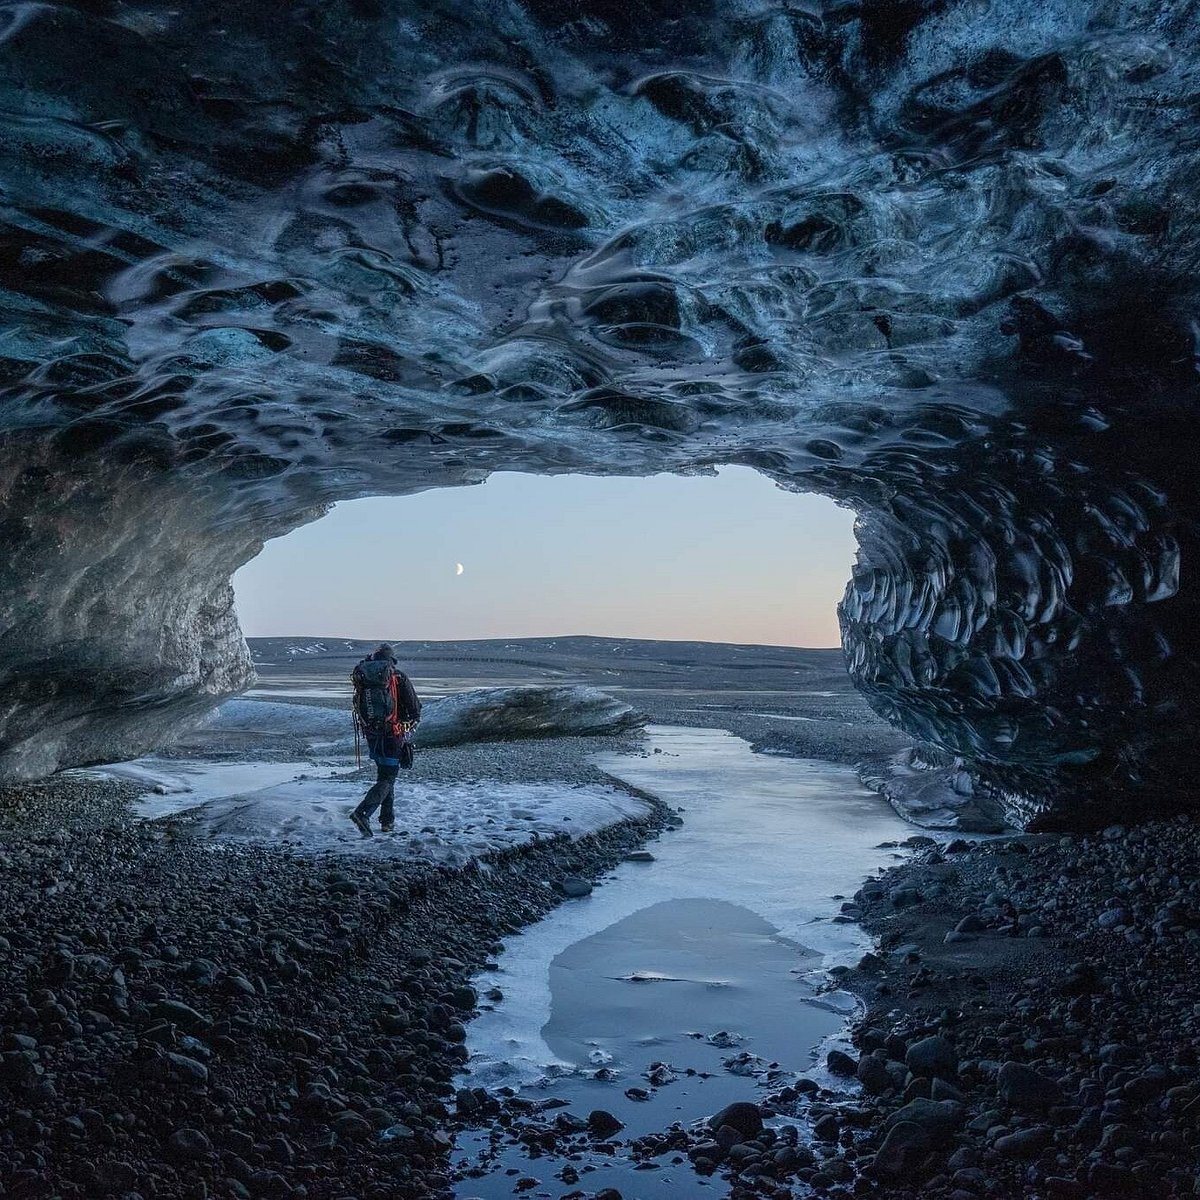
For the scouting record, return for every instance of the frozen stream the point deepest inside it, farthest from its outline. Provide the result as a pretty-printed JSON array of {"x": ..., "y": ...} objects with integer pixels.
[{"x": 706, "y": 958}]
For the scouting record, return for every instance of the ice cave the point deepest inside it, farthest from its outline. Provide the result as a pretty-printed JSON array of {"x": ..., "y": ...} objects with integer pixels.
[{"x": 934, "y": 259}]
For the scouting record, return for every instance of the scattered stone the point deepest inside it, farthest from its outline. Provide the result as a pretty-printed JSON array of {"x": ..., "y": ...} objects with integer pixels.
[
  {"x": 1024, "y": 1143},
  {"x": 1025, "y": 1089},
  {"x": 741, "y": 1116},
  {"x": 904, "y": 1146},
  {"x": 189, "y": 1143},
  {"x": 841, "y": 1064},
  {"x": 827, "y": 1128},
  {"x": 603, "y": 1124},
  {"x": 939, "y": 1120},
  {"x": 574, "y": 886},
  {"x": 932, "y": 1056}
]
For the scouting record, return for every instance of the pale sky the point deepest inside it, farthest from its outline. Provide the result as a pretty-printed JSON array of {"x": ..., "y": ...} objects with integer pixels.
[{"x": 725, "y": 559}]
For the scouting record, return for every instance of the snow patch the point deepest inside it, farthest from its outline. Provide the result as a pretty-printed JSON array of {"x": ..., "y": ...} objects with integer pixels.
[{"x": 448, "y": 823}]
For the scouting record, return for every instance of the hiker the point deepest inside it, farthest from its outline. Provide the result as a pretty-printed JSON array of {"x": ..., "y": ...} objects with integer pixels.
[{"x": 386, "y": 710}]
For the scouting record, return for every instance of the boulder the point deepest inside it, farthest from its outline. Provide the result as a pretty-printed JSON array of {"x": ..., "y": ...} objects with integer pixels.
[
  {"x": 1021, "y": 1087},
  {"x": 932, "y": 1056},
  {"x": 939, "y": 1120},
  {"x": 743, "y": 1116},
  {"x": 904, "y": 1146},
  {"x": 840, "y": 1063}
]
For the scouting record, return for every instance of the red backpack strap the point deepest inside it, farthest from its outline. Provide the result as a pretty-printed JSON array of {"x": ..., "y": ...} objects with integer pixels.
[{"x": 394, "y": 688}]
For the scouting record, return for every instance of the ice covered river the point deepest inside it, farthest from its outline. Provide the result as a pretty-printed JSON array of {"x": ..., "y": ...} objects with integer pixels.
[{"x": 707, "y": 960}]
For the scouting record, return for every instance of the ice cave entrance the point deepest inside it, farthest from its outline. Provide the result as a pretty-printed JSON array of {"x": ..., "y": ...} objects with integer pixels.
[{"x": 725, "y": 558}]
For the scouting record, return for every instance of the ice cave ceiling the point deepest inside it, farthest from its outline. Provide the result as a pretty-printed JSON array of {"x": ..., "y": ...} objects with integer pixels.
[{"x": 933, "y": 258}]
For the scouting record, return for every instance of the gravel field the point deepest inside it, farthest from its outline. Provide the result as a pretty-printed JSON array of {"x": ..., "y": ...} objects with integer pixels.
[{"x": 187, "y": 1019}]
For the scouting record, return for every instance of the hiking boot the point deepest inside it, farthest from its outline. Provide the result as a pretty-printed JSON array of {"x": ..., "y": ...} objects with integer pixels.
[
  {"x": 387, "y": 826},
  {"x": 361, "y": 824}
]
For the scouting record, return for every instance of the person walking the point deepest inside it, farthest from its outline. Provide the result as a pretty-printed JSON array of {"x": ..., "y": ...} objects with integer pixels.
[{"x": 386, "y": 710}]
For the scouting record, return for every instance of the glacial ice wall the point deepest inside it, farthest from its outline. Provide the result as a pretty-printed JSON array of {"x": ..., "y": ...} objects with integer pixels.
[{"x": 933, "y": 258}]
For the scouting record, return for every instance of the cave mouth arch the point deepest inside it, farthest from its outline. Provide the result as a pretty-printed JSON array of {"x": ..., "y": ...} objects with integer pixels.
[{"x": 1016, "y": 619}]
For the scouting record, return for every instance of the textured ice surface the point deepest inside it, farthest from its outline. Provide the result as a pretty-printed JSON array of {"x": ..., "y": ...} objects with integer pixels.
[
  {"x": 177, "y": 785},
  {"x": 273, "y": 717},
  {"x": 933, "y": 259},
  {"x": 499, "y": 714}
]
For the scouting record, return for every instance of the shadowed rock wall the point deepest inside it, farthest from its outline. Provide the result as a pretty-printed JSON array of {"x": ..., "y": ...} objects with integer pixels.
[{"x": 934, "y": 259}]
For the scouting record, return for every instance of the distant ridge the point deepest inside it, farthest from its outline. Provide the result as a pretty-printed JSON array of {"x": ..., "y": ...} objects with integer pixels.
[{"x": 576, "y": 639}]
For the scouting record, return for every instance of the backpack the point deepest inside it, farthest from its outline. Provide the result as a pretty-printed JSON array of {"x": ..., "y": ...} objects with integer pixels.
[{"x": 376, "y": 696}]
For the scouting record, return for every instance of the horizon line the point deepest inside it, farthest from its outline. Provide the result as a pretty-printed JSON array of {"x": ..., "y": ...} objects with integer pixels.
[{"x": 598, "y": 637}]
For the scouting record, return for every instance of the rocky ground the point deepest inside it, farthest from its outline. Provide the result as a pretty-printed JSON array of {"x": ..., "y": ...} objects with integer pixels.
[
  {"x": 183, "y": 1019},
  {"x": 1032, "y": 1030}
]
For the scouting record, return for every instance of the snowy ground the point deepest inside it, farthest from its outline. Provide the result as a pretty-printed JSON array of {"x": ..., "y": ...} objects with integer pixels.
[
  {"x": 307, "y": 807},
  {"x": 485, "y": 804},
  {"x": 450, "y": 823}
]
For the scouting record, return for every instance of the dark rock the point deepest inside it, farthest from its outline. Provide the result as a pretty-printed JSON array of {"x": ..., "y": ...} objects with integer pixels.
[
  {"x": 941, "y": 1090},
  {"x": 1024, "y": 1143},
  {"x": 189, "y": 1143},
  {"x": 178, "y": 1013},
  {"x": 352, "y": 1127},
  {"x": 743, "y": 1116},
  {"x": 905, "y": 1145},
  {"x": 937, "y": 1119},
  {"x": 1025, "y": 1089},
  {"x": 827, "y": 1128},
  {"x": 464, "y": 998},
  {"x": 932, "y": 1056},
  {"x": 873, "y": 1075},
  {"x": 841, "y": 1064},
  {"x": 574, "y": 886},
  {"x": 603, "y": 1124},
  {"x": 176, "y": 1068}
]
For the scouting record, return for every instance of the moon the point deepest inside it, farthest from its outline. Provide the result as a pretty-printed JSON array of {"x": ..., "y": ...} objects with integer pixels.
[{"x": 458, "y": 568}]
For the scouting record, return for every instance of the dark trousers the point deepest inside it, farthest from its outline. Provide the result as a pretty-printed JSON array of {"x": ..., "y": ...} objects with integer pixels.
[{"x": 380, "y": 796}]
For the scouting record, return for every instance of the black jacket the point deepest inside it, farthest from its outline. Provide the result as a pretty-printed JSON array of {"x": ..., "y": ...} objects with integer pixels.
[{"x": 410, "y": 702}]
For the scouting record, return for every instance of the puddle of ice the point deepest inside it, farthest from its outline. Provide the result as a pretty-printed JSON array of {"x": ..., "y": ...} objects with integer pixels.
[
  {"x": 176, "y": 785},
  {"x": 721, "y": 934}
]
